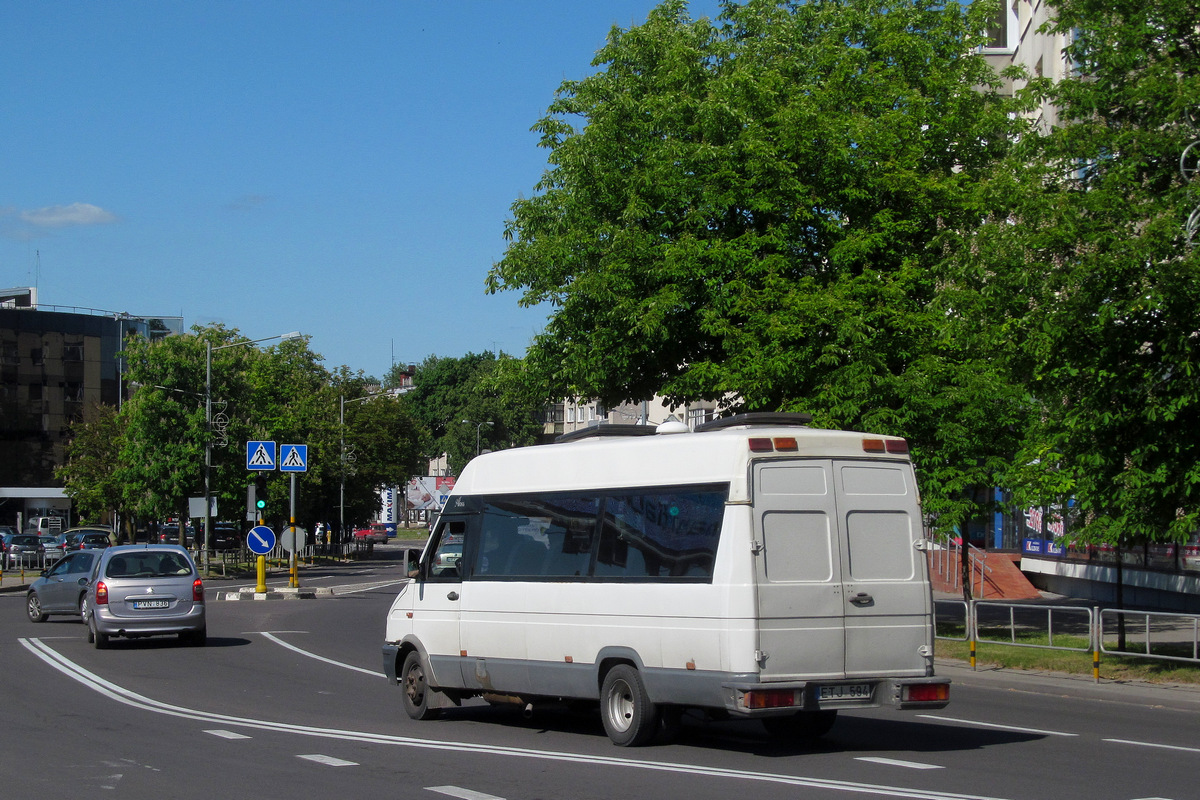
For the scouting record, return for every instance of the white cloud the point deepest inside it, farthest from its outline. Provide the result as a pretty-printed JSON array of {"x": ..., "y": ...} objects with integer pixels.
[{"x": 68, "y": 216}]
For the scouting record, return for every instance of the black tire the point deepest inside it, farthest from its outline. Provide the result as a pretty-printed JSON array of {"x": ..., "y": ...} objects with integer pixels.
[
  {"x": 630, "y": 719},
  {"x": 100, "y": 640},
  {"x": 415, "y": 685},
  {"x": 33, "y": 607},
  {"x": 804, "y": 725},
  {"x": 83, "y": 608}
]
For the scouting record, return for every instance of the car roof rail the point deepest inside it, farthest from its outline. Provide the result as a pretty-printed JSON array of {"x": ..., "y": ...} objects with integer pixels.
[
  {"x": 761, "y": 418},
  {"x": 606, "y": 429}
]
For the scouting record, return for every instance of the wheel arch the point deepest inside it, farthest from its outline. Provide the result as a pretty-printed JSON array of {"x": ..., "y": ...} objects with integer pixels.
[{"x": 610, "y": 657}]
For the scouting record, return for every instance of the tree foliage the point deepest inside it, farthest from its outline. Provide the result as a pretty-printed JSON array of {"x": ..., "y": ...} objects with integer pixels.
[
  {"x": 478, "y": 400},
  {"x": 1088, "y": 280},
  {"x": 93, "y": 448},
  {"x": 149, "y": 458},
  {"x": 750, "y": 212}
]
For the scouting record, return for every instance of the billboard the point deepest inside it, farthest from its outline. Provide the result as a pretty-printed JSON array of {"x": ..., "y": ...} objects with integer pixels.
[{"x": 428, "y": 493}]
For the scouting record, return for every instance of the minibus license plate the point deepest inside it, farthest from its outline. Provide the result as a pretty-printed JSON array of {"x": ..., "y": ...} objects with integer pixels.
[
  {"x": 852, "y": 691},
  {"x": 151, "y": 603}
]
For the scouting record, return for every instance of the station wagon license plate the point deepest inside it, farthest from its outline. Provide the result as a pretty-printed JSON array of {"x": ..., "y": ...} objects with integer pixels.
[
  {"x": 849, "y": 691},
  {"x": 151, "y": 603}
]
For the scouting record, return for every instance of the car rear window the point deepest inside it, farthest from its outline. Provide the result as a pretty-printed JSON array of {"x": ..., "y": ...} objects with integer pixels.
[{"x": 148, "y": 565}]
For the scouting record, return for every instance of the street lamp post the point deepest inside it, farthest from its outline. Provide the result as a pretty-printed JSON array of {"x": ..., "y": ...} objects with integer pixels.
[
  {"x": 477, "y": 427},
  {"x": 208, "y": 351}
]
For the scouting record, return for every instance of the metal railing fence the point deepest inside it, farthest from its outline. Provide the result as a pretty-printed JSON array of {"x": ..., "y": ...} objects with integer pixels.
[
  {"x": 1170, "y": 632},
  {"x": 1163, "y": 635}
]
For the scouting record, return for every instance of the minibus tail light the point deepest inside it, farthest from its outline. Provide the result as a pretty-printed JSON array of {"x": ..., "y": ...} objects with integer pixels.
[
  {"x": 926, "y": 693},
  {"x": 897, "y": 445},
  {"x": 759, "y": 445},
  {"x": 874, "y": 446},
  {"x": 101, "y": 594},
  {"x": 786, "y": 444},
  {"x": 197, "y": 591},
  {"x": 770, "y": 698}
]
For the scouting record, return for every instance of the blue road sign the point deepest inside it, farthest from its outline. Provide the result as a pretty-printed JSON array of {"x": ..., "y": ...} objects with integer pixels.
[
  {"x": 260, "y": 455},
  {"x": 260, "y": 540},
  {"x": 293, "y": 458}
]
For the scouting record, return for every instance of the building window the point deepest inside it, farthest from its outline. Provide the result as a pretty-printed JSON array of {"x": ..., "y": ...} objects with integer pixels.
[{"x": 1002, "y": 31}]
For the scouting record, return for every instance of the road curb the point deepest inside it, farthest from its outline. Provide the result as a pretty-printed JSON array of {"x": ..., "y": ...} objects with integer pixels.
[{"x": 284, "y": 593}]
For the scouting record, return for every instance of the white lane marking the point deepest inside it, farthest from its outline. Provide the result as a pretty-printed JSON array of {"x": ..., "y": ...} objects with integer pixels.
[
  {"x": 979, "y": 724},
  {"x": 227, "y": 734},
  {"x": 462, "y": 794},
  {"x": 328, "y": 761},
  {"x": 354, "y": 588},
  {"x": 132, "y": 699},
  {"x": 895, "y": 762},
  {"x": 1152, "y": 744},
  {"x": 293, "y": 648}
]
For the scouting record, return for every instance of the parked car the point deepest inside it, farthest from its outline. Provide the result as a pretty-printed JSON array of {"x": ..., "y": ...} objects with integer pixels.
[
  {"x": 44, "y": 526},
  {"x": 87, "y": 538},
  {"x": 62, "y": 589},
  {"x": 54, "y": 547},
  {"x": 375, "y": 532},
  {"x": 25, "y": 550},
  {"x": 169, "y": 534},
  {"x": 6, "y": 533},
  {"x": 226, "y": 537},
  {"x": 145, "y": 590}
]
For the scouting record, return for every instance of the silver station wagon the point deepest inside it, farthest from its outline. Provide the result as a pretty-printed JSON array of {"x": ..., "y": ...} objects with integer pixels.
[{"x": 145, "y": 590}]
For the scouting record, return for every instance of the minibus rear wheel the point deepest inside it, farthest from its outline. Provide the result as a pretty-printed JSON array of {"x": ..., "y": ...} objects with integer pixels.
[
  {"x": 416, "y": 689},
  {"x": 630, "y": 719}
]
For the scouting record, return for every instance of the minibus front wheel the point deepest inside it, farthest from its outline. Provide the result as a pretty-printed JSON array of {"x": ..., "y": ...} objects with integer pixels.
[
  {"x": 630, "y": 719},
  {"x": 414, "y": 682}
]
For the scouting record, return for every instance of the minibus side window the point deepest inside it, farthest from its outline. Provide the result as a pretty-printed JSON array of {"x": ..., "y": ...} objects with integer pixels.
[
  {"x": 537, "y": 537},
  {"x": 446, "y": 561},
  {"x": 656, "y": 534}
]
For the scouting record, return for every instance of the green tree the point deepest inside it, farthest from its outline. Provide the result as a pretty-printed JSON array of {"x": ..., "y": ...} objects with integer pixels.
[
  {"x": 93, "y": 451},
  {"x": 1091, "y": 283},
  {"x": 752, "y": 212},
  {"x": 162, "y": 457},
  {"x": 455, "y": 399}
]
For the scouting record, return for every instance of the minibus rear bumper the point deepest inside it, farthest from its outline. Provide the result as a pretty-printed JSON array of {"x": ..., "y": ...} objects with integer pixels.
[{"x": 785, "y": 697}]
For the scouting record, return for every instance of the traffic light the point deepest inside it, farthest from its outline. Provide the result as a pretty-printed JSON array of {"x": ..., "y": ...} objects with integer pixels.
[{"x": 260, "y": 493}]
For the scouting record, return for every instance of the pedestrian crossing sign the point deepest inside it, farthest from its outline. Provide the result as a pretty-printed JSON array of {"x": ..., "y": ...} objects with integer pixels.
[
  {"x": 293, "y": 458},
  {"x": 260, "y": 455}
]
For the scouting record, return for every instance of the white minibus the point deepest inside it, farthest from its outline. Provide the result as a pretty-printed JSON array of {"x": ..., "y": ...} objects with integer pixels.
[{"x": 754, "y": 567}]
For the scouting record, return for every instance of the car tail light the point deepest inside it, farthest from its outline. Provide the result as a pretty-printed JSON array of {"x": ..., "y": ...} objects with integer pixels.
[
  {"x": 197, "y": 591},
  {"x": 101, "y": 593},
  {"x": 927, "y": 693}
]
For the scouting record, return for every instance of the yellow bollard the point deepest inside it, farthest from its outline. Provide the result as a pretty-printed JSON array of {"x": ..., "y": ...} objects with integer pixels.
[{"x": 261, "y": 587}]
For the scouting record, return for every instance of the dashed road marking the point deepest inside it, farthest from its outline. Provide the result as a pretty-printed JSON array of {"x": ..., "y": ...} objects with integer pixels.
[
  {"x": 328, "y": 761},
  {"x": 462, "y": 794},
  {"x": 227, "y": 734}
]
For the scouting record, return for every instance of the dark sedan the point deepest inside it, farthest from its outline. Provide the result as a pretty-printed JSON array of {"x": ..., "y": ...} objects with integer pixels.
[{"x": 25, "y": 550}]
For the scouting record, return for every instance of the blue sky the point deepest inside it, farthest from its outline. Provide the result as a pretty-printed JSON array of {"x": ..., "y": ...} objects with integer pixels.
[{"x": 339, "y": 168}]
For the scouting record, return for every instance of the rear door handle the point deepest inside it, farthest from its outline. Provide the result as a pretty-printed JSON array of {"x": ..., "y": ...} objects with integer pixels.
[
  {"x": 452, "y": 596},
  {"x": 862, "y": 599}
]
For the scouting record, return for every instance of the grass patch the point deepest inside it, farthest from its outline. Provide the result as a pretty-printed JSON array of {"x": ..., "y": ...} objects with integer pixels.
[{"x": 996, "y": 653}]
